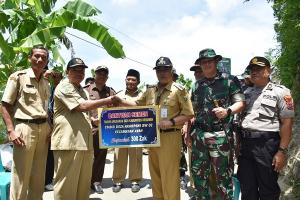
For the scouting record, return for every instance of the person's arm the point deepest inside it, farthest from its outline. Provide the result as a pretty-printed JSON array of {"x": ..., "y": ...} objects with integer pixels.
[
  {"x": 88, "y": 105},
  {"x": 178, "y": 120},
  {"x": 222, "y": 113},
  {"x": 285, "y": 138},
  {"x": 117, "y": 101},
  {"x": 7, "y": 117}
]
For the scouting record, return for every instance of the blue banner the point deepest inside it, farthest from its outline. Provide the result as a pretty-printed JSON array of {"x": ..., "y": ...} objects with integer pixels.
[{"x": 128, "y": 127}]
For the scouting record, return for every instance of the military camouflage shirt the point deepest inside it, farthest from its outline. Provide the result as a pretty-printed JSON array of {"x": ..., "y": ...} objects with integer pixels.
[{"x": 221, "y": 91}]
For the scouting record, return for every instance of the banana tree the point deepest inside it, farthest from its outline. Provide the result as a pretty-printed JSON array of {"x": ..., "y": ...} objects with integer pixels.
[{"x": 24, "y": 23}]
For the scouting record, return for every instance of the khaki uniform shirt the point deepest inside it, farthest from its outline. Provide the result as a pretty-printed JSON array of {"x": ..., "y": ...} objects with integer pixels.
[
  {"x": 173, "y": 98},
  {"x": 126, "y": 96},
  {"x": 94, "y": 94},
  {"x": 28, "y": 96},
  {"x": 266, "y": 106},
  {"x": 72, "y": 129}
]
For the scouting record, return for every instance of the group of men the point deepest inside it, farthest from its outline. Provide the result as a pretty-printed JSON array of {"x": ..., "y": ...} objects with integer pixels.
[{"x": 266, "y": 111}]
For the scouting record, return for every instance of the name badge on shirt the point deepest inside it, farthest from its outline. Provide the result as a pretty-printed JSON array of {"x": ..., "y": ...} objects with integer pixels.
[{"x": 164, "y": 112}]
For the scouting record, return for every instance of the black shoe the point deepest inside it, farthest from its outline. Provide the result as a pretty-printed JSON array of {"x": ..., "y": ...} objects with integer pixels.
[
  {"x": 117, "y": 187},
  {"x": 98, "y": 189},
  {"x": 135, "y": 187},
  {"x": 49, "y": 187},
  {"x": 183, "y": 184}
]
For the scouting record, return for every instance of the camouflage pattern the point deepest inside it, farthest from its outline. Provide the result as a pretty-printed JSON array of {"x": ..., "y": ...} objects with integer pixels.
[{"x": 212, "y": 139}]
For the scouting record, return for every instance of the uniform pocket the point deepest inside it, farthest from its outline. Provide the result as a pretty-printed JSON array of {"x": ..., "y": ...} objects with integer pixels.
[
  {"x": 267, "y": 108},
  {"x": 150, "y": 102},
  {"x": 29, "y": 95}
]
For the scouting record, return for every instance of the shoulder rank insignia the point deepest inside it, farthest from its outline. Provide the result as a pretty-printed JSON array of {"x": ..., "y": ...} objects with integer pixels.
[
  {"x": 179, "y": 86},
  {"x": 289, "y": 102}
]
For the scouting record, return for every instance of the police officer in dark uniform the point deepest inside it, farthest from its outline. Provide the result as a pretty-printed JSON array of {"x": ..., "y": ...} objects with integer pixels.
[{"x": 266, "y": 133}]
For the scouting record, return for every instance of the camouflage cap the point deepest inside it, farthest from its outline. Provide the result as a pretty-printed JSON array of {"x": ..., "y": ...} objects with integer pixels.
[
  {"x": 258, "y": 61},
  {"x": 102, "y": 68},
  {"x": 74, "y": 62},
  {"x": 163, "y": 62},
  {"x": 209, "y": 54},
  {"x": 196, "y": 65}
]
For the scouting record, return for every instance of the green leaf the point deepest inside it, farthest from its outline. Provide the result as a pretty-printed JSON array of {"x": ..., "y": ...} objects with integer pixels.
[
  {"x": 43, "y": 36},
  {"x": 81, "y": 8},
  {"x": 6, "y": 49},
  {"x": 100, "y": 33},
  {"x": 56, "y": 55}
]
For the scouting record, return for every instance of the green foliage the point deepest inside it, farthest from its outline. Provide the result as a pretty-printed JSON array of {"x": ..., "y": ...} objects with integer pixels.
[
  {"x": 187, "y": 83},
  {"x": 25, "y": 23},
  {"x": 287, "y": 28}
]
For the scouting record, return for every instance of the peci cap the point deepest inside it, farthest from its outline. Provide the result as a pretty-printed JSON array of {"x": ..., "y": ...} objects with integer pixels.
[
  {"x": 196, "y": 65},
  {"x": 163, "y": 62},
  {"x": 135, "y": 73},
  {"x": 209, "y": 54},
  {"x": 258, "y": 61},
  {"x": 74, "y": 62},
  {"x": 102, "y": 68}
]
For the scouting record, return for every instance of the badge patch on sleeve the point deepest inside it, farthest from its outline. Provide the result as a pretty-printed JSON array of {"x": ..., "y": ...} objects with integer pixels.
[{"x": 289, "y": 102}]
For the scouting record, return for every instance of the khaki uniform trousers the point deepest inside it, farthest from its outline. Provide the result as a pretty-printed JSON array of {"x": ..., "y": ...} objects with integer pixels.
[
  {"x": 135, "y": 164},
  {"x": 164, "y": 167},
  {"x": 29, "y": 162},
  {"x": 72, "y": 174}
]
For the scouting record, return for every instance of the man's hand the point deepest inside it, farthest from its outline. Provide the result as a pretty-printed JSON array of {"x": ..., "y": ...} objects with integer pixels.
[
  {"x": 165, "y": 124},
  {"x": 279, "y": 161},
  {"x": 16, "y": 138},
  {"x": 116, "y": 100},
  {"x": 95, "y": 121},
  {"x": 220, "y": 112}
]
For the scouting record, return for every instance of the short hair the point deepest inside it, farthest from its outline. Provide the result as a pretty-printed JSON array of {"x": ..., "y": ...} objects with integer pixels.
[
  {"x": 39, "y": 46},
  {"x": 87, "y": 80}
]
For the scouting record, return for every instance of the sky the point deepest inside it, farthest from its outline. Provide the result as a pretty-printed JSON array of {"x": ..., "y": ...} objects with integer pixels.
[{"x": 178, "y": 29}]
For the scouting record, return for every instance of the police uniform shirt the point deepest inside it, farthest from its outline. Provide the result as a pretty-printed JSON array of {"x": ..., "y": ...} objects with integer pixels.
[
  {"x": 265, "y": 106},
  {"x": 94, "y": 94},
  {"x": 72, "y": 129},
  {"x": 28, "y": 96},
  {"x": 173, "y": 97}
]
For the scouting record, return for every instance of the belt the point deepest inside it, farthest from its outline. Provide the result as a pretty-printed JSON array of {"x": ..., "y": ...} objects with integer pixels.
[
  {"x": 248, "y": 134},
  {"x": 208, "y": 128},
  {"x": 169, "y": 130},
  {"x": 33, "y": 121}
]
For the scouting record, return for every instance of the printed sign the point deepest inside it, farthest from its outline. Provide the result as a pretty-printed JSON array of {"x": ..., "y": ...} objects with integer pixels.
[{"x": 128, "y": 127}]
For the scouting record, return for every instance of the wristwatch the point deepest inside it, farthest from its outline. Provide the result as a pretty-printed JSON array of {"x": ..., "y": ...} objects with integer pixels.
[
  {"x": 229, "y": 111},
  {"x": 283, "y": 150},
  {"x": 173, "y": 121}
]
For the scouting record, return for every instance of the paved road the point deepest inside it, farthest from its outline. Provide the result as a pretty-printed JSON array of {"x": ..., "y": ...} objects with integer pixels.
[{"x": 125, "y": 194}]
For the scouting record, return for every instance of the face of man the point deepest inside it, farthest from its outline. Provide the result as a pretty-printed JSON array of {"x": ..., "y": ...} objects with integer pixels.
[
  {"x": 76, "y": 74},
  {"x": 260, "y": 75},
  {"x": 164, "y": 75},
  {"x": 38, "y": 59},
  {"x": 198, "y": 74},
  {"x": 101, "y": 77},
  {"x": 209, "y": 67},
  {"x": 131, "y": 83}
]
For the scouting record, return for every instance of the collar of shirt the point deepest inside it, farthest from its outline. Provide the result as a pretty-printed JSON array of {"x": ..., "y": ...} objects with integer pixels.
[
  {"x": 104, "y": 89},
  {"x": 167, "y": 87},
  {"x": 136, "y": 93}
]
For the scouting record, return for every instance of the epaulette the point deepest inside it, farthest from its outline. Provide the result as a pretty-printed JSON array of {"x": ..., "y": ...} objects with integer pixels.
[
  {"x": 16, "y": 75},
  {"x": 150, "y": 86},
  {"x": 179, "y": 86}
]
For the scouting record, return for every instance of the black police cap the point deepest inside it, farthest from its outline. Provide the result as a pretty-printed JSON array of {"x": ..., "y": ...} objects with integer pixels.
[
  {"x": 74, "y": 62},
  {"x": 163, "y": 62}
]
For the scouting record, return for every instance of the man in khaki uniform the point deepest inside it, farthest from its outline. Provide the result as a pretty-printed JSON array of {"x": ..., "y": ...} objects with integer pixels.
[
  {"x": 98, "y": 90},
  {"x": 175, "y": 108},
  {"x": 131, "y": 93},
  {"x": 24, "y": 110},
  {"x": 72, "y": 139}
]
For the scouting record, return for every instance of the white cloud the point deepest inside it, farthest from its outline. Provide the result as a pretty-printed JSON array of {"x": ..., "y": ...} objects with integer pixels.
[{"x": 124, "y": 2}]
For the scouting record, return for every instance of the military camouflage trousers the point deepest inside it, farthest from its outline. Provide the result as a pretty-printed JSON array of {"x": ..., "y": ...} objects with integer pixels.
[{"x": 212, "y": 151}]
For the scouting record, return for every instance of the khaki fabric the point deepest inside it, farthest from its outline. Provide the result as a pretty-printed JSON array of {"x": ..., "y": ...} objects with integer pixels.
[
  {"x": 29, "y": 162},
  {"x": 121, "y": 154},
  {"x": 164, "y": 167},
  {"x": 72, "y": 174},
  {"x": 28, "y": 96},
  {"x": 164, "y": 160},
  {"x": 72, "y": 130}
]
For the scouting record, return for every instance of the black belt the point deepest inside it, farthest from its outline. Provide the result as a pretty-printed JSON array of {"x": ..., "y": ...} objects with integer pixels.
[
  {"x": 248, "y": 134},
  {"x": 169, "y": 130},
  {"x": 33, "y": 121}
]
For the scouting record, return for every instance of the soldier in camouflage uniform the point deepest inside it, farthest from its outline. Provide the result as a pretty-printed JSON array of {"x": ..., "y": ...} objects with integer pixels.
[{"x": 215, "y": 99}]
